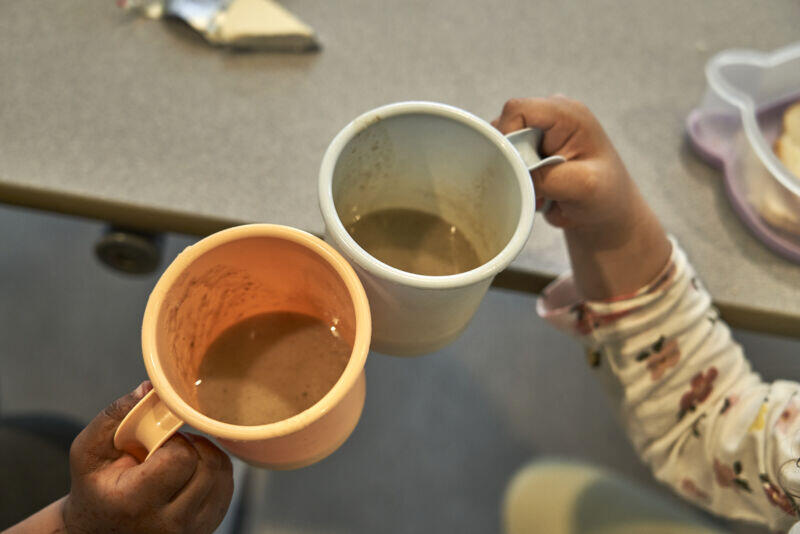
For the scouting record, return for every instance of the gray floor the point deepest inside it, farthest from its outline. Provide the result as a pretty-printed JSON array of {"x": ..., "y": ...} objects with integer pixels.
[{"x": 439, "y": 437}]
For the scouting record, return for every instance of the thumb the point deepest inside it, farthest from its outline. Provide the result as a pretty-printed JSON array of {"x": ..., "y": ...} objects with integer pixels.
[{"x": 95, "y": 444}]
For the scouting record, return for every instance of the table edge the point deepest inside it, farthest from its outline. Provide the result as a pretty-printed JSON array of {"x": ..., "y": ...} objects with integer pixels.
[{"x": 144, "y": 218}]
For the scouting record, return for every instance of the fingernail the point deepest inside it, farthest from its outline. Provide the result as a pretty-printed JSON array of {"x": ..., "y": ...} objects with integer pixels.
[{"x": 143, "y": 389}]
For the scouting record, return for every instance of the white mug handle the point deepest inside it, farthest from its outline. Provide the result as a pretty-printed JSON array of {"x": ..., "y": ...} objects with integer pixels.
[{"x": 526, "y": 142}]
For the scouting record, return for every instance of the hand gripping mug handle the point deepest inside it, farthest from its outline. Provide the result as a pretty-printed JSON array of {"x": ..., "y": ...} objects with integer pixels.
[
  {"x": 146, "y": 427},
  {"x": 526, "y": 142}
]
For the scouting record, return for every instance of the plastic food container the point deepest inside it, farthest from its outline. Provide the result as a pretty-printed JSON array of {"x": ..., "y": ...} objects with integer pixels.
[{"x": 735, "y": 128}]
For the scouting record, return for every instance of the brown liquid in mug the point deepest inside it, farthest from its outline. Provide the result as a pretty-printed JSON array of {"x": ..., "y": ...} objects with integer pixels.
[
  {"x": 415, "y": 242},
  {"x": 269, "y": 367}
]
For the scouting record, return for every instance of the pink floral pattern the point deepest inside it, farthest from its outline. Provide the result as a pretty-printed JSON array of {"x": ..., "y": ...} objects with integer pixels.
[
  {"x": 701, "y": 386},
  {"x": 713, "y": 449},
  {"x": 788, "y": 417},
  {"x": 690, "y": 488},
  {"x": 724, "y": 474},
  {"x": 728, "y": 476},
  {"x": 662, "y": 356},
  {"x": 778, "y": 498}
]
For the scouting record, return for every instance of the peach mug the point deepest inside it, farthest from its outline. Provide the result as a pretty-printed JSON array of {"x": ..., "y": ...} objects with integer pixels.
[{"x": 222, "y": 279}]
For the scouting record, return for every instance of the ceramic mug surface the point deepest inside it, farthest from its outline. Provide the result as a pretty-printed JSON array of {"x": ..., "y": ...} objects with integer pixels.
[{"x": 443, "y": 161}]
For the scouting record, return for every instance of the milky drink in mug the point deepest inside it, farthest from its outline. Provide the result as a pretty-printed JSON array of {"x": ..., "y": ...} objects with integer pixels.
[{"x": 269, "y": 367}]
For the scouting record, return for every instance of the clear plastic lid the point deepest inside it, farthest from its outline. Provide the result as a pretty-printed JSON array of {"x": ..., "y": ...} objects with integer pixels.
[{"x": 736, "y": 127}]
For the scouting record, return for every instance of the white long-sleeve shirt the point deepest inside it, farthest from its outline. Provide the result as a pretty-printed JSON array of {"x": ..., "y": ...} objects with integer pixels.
[{"x": 703, "y": 421}]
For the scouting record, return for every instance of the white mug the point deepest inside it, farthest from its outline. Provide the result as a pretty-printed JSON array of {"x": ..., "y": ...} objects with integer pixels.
[{"x": 443, "y": 161}]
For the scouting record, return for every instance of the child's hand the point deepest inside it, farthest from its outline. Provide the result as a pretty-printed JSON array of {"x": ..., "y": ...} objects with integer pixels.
[
  {"x": 184, "y": 487},
  {"x": 615, "y": 242},
  {"x": 593, "y": 187}
]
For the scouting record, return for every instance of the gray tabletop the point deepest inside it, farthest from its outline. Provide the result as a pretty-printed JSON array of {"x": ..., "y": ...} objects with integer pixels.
[{"x": 139, "y": 122}]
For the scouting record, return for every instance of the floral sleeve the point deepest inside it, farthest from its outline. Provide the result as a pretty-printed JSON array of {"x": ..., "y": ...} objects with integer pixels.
[{"x": 704, "y": 422}]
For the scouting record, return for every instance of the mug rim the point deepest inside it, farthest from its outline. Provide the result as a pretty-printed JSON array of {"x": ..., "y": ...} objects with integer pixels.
[
  {"x": 348, "y": 378},
  {"x": 353, "y": 250}
]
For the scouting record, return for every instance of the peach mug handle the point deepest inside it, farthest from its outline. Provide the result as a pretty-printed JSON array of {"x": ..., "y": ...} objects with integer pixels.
[{"x": 146, "y": 427}]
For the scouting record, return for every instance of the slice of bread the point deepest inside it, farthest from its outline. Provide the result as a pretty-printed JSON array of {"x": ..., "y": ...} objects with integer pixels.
[
  {"x": 787, "y": 147},
  {"x": 789, "y": 153},
  {"x": 778, "y": 206},
  {"x": 791, "y": 122}
]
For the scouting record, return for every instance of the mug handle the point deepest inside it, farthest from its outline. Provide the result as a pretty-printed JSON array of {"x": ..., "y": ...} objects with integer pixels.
[
  {"x": 146, "y": 427},
  {"x": 526, "y": 142}
]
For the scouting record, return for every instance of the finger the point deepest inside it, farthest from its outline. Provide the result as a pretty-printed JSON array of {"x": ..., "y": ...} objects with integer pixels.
[
  {"x": 95, "y": 444},
  {"x": 213, "y": 509},
  {"x": 164, "y": 474},
  {"x": 511, "y": 120},
  {"x": 571, "y": 181},
  {"x": 555, "y": 116},
  {"x": 213, "y": 466}
]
